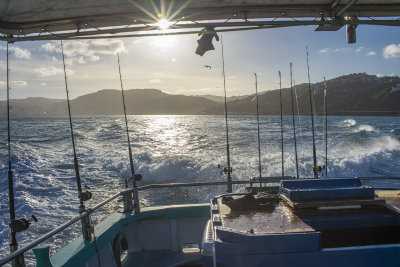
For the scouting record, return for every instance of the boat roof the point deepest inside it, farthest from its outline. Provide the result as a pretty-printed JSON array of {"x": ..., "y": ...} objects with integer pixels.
[{"x": 48, "y": 19}]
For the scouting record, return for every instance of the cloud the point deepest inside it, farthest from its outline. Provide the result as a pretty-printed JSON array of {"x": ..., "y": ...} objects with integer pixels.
[
  {"x": 379, "y": 75},
  {"x": 342, "y": 50},
  {"x": 51, "y": 71},
  {"x": 18, "y": 52},
  {"x": 43, "y": 84},
  {"x": 372, "y": 53},
  {"x": 51, "y": 47},
  {"x": 325, "y": 50},
  {"x": 14, "y": 83},
  {"x": 155, "y": 81},
  {"x": 173, "y": 59},
  {"x": 358, "y": 50},
  {"x": 93, "y": 48},
  {"x": 94, "y": 58},
  {"x": 21, "y": 53},
  {"x": 391, "y": 51},
  {"x": 81, "y": 52}
]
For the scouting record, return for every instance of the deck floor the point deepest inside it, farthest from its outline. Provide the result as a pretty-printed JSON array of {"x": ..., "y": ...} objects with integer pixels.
[
  {"x": 279, "y": 220},
  {"x": 392, "y": 197}
]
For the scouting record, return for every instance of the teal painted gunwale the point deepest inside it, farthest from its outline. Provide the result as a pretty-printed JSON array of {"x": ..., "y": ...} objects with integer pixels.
[{"x": 79, "y": 251}]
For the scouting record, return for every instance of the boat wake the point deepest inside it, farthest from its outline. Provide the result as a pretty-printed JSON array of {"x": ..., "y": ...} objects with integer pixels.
[{"x": 171, "y": 149}]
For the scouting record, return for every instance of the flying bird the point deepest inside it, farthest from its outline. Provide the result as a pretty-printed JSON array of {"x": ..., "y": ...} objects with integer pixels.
[{"x": 207, "y": 66}]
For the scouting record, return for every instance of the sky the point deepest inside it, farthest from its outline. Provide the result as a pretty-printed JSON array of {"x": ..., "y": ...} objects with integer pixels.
[{"x": 171, "y": 65}]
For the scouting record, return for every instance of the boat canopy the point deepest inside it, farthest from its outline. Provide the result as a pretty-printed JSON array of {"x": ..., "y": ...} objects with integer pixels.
[{"x": 48, "y": 19}]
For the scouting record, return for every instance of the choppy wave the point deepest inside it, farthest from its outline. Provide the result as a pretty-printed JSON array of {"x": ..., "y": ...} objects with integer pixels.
[
  {"x": 172, "y": 149},
  {"x": 348, "y": 123}
]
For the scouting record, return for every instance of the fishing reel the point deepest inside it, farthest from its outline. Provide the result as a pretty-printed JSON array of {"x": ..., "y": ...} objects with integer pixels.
[
  {"x": 318, "y": 169},
  {"x": 225, "y": 170},
  {"x": 136, "y": 178},
  {"x": 22, "y": 224},
  {"x": 85, "y": 196}
]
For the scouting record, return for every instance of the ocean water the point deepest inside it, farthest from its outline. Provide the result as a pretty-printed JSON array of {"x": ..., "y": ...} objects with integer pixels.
[{"x": 172, "y": 149}]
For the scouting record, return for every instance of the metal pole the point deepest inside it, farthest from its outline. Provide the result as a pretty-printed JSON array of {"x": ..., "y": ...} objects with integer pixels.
[
  {"x": 312, "y": 120},
  {"x": 258, "y": 131},
  {"x": 294, "y": 125},
  {"x": 229, "y": 170},
  {"x": 280, "y": 100},
  {"x": 86, "y": 226},
  {"x": 135, "y": 192}
]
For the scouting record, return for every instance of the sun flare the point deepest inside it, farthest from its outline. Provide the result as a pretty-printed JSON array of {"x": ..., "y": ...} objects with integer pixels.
[{"x": 163, "y": 24}]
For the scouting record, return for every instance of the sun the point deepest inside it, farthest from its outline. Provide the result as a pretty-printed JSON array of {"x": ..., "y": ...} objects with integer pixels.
[{"x": 163, "y": 24}]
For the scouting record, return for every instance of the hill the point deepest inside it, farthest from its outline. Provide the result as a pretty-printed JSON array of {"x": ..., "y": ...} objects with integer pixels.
[{"x": 353, "y": 94}]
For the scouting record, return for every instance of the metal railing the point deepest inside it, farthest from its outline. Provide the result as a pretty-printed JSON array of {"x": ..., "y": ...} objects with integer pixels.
[{"x": 89, "y": 211}]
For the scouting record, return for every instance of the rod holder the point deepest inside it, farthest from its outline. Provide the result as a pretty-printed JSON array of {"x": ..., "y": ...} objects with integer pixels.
[
  {"x": 136, "y": 199},
  {"x": 128, "y": 202},
  {"x": 19, "y": 260},
  {"x": 87, "y": 228}
]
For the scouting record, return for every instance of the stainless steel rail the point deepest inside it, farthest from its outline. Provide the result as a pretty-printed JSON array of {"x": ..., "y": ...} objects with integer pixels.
[
  {"x": 59, "y": 229},
  {"x": 43, "y": 238},
  {"x": 273, "y": 179}
]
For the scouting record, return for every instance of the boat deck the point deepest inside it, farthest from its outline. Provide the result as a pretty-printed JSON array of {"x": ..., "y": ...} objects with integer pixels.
[{"x": 258, "y": 220}]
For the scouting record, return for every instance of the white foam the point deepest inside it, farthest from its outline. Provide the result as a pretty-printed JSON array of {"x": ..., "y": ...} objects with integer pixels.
[
  {"x": 365, "y": 128},
  {"x": 348, "y": 123}
]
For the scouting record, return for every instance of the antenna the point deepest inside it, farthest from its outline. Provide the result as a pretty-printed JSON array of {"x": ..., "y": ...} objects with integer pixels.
[
  {"x": 258, "y": 132},
  {"x": 294, "y": 125},
  {"x": 280, "y": 98},
  {"x": 315, "y": 169},
  {"x": 227, "y": 170},
  {"x": 135, "y": 177},
  {"x": 87, "y": 229}
]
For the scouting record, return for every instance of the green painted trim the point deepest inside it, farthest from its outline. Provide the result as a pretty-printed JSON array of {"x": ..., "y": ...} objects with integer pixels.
[{"x": 78, "y": 252}]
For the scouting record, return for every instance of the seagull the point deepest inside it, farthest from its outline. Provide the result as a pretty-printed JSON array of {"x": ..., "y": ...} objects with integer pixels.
[{"x": 207, "y": 66}]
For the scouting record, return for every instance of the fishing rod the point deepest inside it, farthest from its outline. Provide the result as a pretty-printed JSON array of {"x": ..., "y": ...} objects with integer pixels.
[
  {"x": 22, "y": 224},
  {"x": 135, "y": 177},
  {"x": 299, "y": 127},
  {"x": 294, "y": 125},
  {"x": 87, "y": 229},
  {"x": 14, "y": 243},
  {"x": 280, "y": 98},
  {"x": 315, "y": 169},
  {"x": 227, "y": 170},
  {"x": 258, "y": 132},
  {"x": 326, "y": 129}
]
